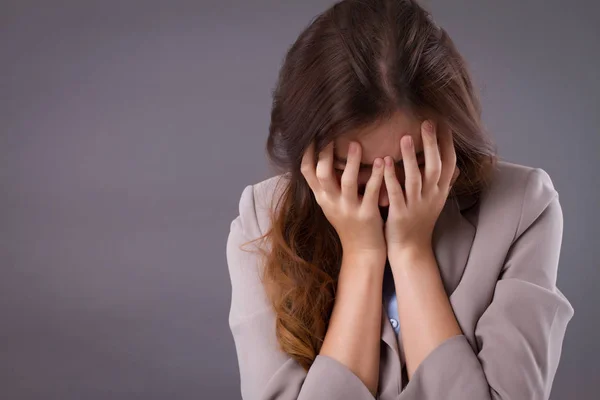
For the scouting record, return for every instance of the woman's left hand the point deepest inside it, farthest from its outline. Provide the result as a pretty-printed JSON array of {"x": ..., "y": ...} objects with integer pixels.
[{"x": 412, "y": 216}]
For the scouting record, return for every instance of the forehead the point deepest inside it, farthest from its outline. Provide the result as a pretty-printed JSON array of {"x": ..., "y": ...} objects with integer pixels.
[{"x": 382, "y": 138}]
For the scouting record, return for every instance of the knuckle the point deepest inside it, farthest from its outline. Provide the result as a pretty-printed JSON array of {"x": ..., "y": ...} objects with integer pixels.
[
  {"x": 393, "y": 191},
  {"x": 322, "y": 174},
  {"x": 377, "y": 173},
  {"x": 346, "y": 179},
  {"x": 365, "y": 215},
  {"x": 305, "y": 167},
  {"x": 346, "y": 185}
]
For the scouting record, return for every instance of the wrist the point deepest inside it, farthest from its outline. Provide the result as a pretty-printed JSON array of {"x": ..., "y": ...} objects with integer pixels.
[
  {"x": 408, "y": 254},
  {"x": 365, "y": 256},
  {"x": 366, "y": 264}
]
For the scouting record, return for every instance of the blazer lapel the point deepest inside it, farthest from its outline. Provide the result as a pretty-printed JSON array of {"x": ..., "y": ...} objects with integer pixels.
[{"x": 452, "y": 238}]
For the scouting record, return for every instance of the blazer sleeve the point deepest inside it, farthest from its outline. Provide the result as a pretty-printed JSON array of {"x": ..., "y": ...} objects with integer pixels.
[
  {"x": 520, "y": 334},
  {"x": 266, "y": 372}
]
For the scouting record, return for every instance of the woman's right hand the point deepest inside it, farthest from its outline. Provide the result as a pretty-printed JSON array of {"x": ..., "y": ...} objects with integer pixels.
[{"x": 356, "y": 219}]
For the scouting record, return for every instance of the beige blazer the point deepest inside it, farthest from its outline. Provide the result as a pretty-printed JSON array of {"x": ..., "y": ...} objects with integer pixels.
[{"x": 498, "y": 258}]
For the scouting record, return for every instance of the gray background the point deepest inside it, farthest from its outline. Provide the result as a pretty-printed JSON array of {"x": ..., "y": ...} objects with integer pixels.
[{"x": 129, "y": 129}]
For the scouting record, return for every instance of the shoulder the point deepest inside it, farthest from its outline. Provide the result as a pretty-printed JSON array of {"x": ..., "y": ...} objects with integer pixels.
[
  {"x": 519, "y": 193},
  {"x": 515, "y": 192},
  {"x": 256, "y": 203},
  {"x": 519, "y": 181},
  {"x": 244, "y": 261}
]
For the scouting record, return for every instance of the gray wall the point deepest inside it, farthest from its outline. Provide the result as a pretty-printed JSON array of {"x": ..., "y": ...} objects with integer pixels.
[{"x": 129, "y": 129}]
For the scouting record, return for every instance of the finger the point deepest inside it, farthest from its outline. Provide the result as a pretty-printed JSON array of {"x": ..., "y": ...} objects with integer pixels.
[
  {"x": 433, "y": 161},
  {"x": 448, "y": 157},
  {"x": 324, "y": 170},
  {"x": 394, "y": 190},
  {"x": 371, "y": 196},
  {"x": 349, "y": 179},
  {"x": 307, "y": 168},
  {"x": 412, "y": 179}
]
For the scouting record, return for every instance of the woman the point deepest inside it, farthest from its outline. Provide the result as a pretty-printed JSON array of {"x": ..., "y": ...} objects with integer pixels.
[{"x": 395, "y": 257}]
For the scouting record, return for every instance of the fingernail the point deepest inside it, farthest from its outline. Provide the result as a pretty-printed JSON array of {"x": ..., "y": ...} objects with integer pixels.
[
  {"x": 388, "y": 161},
  {"x": 408, "y": 141},
  {"x": 429, "y": 126},
  {"x": 377, "y": 163}
]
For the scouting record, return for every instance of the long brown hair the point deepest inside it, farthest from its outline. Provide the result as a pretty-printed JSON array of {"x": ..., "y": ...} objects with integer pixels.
[{"x": 355, "y": 64}]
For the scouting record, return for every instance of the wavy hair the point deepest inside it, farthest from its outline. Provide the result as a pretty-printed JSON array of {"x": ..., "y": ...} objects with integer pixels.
[{"x": 354, "y": 65}]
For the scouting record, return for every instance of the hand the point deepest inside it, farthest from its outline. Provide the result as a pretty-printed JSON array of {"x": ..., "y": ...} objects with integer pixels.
[
  {"x": 357, "y": 221},
  {"x": 412, "y": 217}
]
